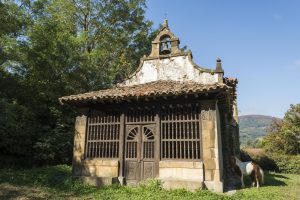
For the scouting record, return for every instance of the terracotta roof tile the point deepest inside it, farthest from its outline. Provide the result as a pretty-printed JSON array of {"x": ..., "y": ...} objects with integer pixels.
[{"x": 157, "y": 88}]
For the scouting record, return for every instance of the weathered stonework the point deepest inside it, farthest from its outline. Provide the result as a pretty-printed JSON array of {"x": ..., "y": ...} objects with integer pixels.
[
  {"x": 236, "y": 135},
  {"x": 176, "y": 66},
  {"x": 94, "y": 172},
  {"x": 179, "y": 68},
  {"x": 171, "y": 120},
  {"x": 212, "y": 151},
  {"x": 181, "y": 174},
  {"x": 100, "y": 168},
  {"x": 79, "y": 141}
]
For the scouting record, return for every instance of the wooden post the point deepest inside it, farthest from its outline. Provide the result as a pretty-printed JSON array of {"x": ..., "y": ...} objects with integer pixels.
[
  {"x": 121, "y": 152},
  {"x": 157, "y": 143}
]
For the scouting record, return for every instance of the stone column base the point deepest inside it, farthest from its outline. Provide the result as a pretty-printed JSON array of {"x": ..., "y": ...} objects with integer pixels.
[
  {"x": 121, "y": 180},
  {"x": 215, "y": 186}
]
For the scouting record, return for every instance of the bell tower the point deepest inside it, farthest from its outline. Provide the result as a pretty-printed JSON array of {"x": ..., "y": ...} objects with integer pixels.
[
  {"x": 165, "y": 43},
  {"x": 167, "y": 62}
]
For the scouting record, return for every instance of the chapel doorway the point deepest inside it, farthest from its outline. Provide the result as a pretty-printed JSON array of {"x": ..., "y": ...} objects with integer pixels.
[{"x": 139, "y": 153}]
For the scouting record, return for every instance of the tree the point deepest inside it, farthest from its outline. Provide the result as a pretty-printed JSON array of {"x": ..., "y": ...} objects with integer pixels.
[
  {"x": 284, "y": 136},
  {"x": 61, "y": 47}
]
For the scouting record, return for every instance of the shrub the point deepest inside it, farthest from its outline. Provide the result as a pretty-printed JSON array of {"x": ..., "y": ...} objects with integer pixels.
[
  {"x": 287, "y": 163},
  {"x": 260, "y": 157},
  {"x": 283, "y": 137},
  {"x": 273, "y": 162},
  {"x": 152, "y": 185}
]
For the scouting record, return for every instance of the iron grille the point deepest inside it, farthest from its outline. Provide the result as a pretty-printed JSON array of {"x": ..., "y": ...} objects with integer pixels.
[
  {"x": 103, "y": 133},
  {"x": 180, "y": 132}
]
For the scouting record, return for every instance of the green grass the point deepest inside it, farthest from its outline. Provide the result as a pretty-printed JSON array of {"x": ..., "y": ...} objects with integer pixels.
[{"x": 56, "y": 183}]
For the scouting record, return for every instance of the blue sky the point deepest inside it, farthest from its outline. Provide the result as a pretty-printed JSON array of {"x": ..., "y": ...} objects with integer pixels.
[{"x": 257, "y": 40}]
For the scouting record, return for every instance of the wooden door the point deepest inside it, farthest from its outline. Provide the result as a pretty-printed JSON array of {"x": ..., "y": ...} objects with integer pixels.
[
  {"x": 148, "y": 152},
  {"x": 140, "y": 153}
]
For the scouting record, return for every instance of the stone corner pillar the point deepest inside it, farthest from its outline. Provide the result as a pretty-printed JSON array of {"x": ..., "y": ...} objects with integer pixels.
[
  {"x": 212, "y": 147},
  {"x": 79, "y": 141},
  {"x": 235, "y": 131}
]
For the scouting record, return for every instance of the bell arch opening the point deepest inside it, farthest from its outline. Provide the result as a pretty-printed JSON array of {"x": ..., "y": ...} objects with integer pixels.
[{"x": 165, "y": 45}]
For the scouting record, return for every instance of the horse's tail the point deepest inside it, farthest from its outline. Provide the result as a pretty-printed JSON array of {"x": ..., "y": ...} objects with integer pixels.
[{"x": 262, "y": 175}]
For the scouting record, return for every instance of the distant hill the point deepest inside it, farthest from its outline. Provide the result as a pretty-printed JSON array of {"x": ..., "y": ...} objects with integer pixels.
[{"x": 253, "y": 127}]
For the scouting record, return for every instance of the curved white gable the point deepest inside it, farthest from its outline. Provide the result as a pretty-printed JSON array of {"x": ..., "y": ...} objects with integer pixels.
[{"x": 177, "y": 68}]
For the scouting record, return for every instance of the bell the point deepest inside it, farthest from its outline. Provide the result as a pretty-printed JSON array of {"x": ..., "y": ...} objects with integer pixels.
[{"x": 165, "y": 49}]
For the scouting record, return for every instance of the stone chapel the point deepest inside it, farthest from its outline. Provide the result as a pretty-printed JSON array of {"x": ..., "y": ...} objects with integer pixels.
[{"x": 171, "y": 120}]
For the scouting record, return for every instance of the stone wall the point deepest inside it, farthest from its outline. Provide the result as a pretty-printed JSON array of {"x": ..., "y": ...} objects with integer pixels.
[
  {"x": 100, "y": 168},
  {"x": 79, "y": 140},
  {"x": 174, "y": 174},
  {"x": 94, "y": 172},
  {"x": 181, "y": 174},
  {"x": 236, "y": 133},
  {"x": 100, "y": 172},
  {"x": 177, "y": 68}
]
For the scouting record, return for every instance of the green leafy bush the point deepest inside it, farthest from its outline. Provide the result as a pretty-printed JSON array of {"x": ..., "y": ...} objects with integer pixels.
[
  {"x": 273, "y": 162},
  {"x": 260, "y": 157},
  {"x": 287, "y": 163},
  {"x": 284, "y": 136}
]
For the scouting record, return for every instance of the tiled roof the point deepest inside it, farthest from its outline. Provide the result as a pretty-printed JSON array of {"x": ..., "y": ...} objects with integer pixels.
[
  {"x": 158, "y": 88},
  {"x": 230, "y": 81}
]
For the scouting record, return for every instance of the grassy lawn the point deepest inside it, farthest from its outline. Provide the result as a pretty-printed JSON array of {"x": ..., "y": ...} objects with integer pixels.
[{"x": 56, "y": 183}]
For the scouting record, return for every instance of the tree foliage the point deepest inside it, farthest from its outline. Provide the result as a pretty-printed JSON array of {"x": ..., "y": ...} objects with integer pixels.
[
  {"x": 284, "y": 136},
  {"x": 52, "y": 48}
]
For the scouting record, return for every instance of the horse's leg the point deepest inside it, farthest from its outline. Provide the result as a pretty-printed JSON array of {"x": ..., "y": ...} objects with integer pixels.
[
  {"x": 252, "y": 175},
  {"x": 257, "y": 176},
  {"x": 257, "y": 181},
  {"x": 242, "y": 180}
]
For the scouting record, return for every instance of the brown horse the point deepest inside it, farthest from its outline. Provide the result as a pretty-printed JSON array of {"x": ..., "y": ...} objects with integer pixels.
[{"x": 250, "y": 168}]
